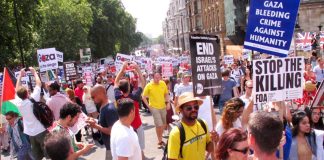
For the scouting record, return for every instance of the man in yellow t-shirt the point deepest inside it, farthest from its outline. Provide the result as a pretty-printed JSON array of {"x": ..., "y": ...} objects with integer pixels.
[
  {"x": 197, "y": 141},
  {"x": 157, "y": 93}
]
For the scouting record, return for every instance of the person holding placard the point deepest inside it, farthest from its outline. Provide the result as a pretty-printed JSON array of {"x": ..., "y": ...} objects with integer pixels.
[{"x": 228, "y": 86}]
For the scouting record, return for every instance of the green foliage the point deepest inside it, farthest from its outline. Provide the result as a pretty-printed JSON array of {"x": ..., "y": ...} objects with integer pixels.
[{"x": 67, "y": 25}]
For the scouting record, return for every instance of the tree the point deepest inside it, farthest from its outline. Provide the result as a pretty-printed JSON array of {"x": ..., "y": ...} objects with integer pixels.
[
  {"x": 28, "y": 22},
  {"x": 66, "y": 25}
]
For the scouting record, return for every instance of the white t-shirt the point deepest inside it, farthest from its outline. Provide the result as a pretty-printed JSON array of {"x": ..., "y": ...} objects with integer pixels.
[
  {"x": 319, "y": 73},
  {"x": 124, "y": 142},
  {"x": 32, "y": 126},
  {"x": 183, "y": 88},
  {"x": 110, "y": 92},
  {"x": 236, "y": 75},
  {"x": 204, "y": 112},
  {"x": 220, "y": 129}
]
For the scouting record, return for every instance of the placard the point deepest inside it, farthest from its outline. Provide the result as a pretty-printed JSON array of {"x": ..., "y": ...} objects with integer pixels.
[
  {"x": 319, "y": 98},
  {"x": 85, "y": 55},
  {"x": 47, "y": 59},
  {"x": 167, "y": 69},
  {"x": 228, "y": 59},
  {"x": 59, "y": 56},
  {"x": 271, "y": 25},
  {"x": 278, "y": 79},
  {"x": 120, "y": 59},
  {"x": 206, "y": 76},
  {"x": 70, "y": 71}
]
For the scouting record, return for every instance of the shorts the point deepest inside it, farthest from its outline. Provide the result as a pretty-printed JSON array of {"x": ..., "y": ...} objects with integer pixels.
[
  {"x": 141, "y": 137},
  {"x": 159, "y": 116}
]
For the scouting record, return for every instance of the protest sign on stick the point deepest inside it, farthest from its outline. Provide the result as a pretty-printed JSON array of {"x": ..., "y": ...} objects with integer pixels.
[
  {"x": 271, "y": 25},
  {"x": 167, "y": 69},
  {"x": 278, "y": 79},
  {"x": 47, "y": 59}
]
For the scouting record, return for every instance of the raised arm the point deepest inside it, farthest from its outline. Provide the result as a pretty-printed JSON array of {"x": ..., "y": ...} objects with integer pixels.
[
  {"x": 142, "y": 80},
  {"x": 120, "y": 74},
  {"x": 37, "y": 79},
  {"x": 21, "y": 74}
]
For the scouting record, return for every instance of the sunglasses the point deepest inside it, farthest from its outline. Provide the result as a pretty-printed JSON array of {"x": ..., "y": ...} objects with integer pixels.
[
  {"x": 189, "y": 108},
  {"x": 243, "y": 151}
]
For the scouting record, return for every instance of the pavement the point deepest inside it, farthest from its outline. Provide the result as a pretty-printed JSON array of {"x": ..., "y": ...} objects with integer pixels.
[{"x": 151, "y": 150}]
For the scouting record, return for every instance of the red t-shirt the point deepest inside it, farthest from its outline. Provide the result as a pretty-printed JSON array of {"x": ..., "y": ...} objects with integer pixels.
[{"x": 79, "y": 93}]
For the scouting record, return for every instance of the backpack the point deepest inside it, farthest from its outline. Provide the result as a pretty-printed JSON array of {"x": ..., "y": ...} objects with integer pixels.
[
  {"x": 182, "y": 138},
  {"x": 43, "y": 113}
]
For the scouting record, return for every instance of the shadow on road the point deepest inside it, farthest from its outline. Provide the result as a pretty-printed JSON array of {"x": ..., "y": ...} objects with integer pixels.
[{"x": 148, "y": 127}]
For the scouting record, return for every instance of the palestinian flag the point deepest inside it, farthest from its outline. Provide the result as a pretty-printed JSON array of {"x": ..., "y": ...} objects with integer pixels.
[{"x": 8, "y": 93}]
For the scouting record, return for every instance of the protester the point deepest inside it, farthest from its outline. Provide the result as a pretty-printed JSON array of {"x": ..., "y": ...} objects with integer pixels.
[
  {"x": 58, "y": 146},
  {"x": 233, "y": 145},
  {"x": 228, "y": 86},
  {"x": 237, "y": 74},
  {"x": 319, "y": 71},
  {"x": 246, "y": 97},
  {"x": 230, "y": 117},
  {"x": 304, "y": 139},
  {"x": 124, "y": 141},
  {"x": 32, "y": 126},
  {"x": 247, "y": 77},
  {"x": 170, "y": 111},
  {"x": 185, "y": 86},
  {"x": 4, "y": 136},
  {"x": 19, "y": 142},
  {"x": 76, "y": 100},
  {"x": 110, "y": 88},
  {"x": 316, "y": 118},
  {"x": 157, "y": 93},
  {"x": 123, "y": 90},
  {"x": 198, "y": 140},
  {"x": 108, "y": 116},
  {"x": 88, "y": 103},
  {"x": 265, "y": 131},
  {"x": 57, "y": 100},
  {"x": 79, "y": 89},
  {"x": 69, "y": 115}
]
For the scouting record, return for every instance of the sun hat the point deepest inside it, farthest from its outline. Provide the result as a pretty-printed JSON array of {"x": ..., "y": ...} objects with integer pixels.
[{"x": 187, "y": 97}]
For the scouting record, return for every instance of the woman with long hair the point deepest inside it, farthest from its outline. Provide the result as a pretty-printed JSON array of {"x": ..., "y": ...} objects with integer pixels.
[
  {"x": 232, "y": 145},
  {"x": 230, "y": 117},
  {"x": 247, "y": 77},
  {"x": 304, "y": 140},
  {"x": 316, "y": 117}
]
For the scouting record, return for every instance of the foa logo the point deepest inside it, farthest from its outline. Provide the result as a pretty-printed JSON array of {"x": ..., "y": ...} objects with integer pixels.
[{"x": 44, "y": 58}]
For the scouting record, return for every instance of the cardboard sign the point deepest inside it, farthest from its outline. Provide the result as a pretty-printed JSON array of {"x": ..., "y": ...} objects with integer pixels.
[
  {"x": 120, "y": 59},
  {"x": 28, "y": 80},
  {"x": 278, "y": 79},
  {"x": 85, "y": 55},
  {"x": 70, "y": 71},
  {"x": 167, "y": 69},
  {"x": 247, "y": 54},
  {"x": 59, "y": 56},
  {"x": 206, "y": 76},
  {"x": 271, "y": 25},
  {"x": 47, "y": 59},
  {"x": 228, "y": 59}
]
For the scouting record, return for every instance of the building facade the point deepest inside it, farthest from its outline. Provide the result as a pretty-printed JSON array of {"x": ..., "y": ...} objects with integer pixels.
[{"x": 311, "y": 15}]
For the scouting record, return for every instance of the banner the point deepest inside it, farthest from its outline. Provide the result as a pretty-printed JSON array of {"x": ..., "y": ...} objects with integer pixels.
[
  {"x": 228, "y": 59},
  {"x": 70, "y": 71},
  {"x": 206, "y": 76},
  {"x": 167, "y": 69},
  {"x": 47, "y": 59},
  {"x": 271, "y": 25},
  {"x": 304, "y": 39},
  {"x": 278, "y": 79},
  {"x": 121, "y": 58}
]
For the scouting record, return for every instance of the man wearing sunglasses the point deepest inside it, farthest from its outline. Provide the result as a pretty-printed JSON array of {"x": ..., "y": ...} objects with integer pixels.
[{"x": 197, "y": 139}]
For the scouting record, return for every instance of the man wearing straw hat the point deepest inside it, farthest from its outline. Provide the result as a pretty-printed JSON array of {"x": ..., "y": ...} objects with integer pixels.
[{"x": 197, "y": 139}]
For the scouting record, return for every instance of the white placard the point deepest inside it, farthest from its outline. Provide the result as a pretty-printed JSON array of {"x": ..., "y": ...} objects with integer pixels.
[
  {"x": 278, "y": 79},
  {"x": 59, "y": 56},
  {"x": 47, "y": 59},
  {"x": 120, "y": 59},
  {"x": 167, "y": 69},
  {"x": 229, "y": 59}
]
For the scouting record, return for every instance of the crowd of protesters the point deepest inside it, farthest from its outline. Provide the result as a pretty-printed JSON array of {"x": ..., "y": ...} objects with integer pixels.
[{"x": 113, "y": 104}]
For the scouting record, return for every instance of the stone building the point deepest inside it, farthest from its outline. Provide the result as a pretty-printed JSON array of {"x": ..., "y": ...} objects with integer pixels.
[{"x": 311, "y": 15}]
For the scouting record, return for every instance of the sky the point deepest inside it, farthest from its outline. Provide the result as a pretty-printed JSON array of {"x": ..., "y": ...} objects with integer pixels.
[{"x": 149, "y": 14}]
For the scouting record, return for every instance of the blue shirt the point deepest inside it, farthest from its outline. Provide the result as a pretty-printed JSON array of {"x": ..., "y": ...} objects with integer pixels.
[
  {"x": 227, "y": 88},
  {"x": 108, "y": 116}
]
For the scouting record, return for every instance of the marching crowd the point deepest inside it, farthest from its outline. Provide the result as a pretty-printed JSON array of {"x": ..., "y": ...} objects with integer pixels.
[{"x": 112, "y": 112}]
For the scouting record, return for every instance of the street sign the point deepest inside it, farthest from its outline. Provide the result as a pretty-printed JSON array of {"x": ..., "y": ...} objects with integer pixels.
[
  {"x": 271, "y": 25},
  {"x": 206, "y": 76}
]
